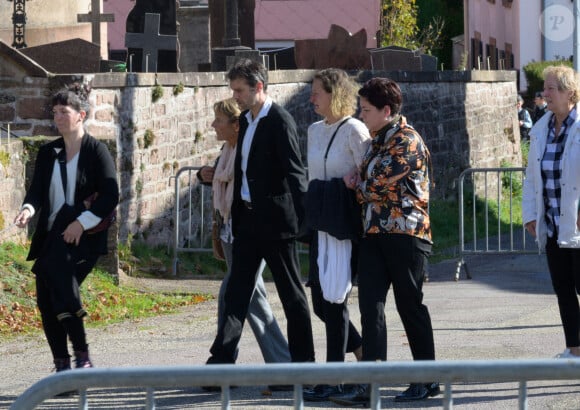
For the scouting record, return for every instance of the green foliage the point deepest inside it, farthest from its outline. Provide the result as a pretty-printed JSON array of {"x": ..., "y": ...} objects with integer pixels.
[
  {"x": 148, "y": 138},
  {"x": 445, "y": 222},
  {"x": 4, "y": 159},
  {"x": 525, "y": 148},
  {"x": 399, "y": 23},
  {"x": 156, "y": 93},
  {"x": 178, "y": 89},
  {"x": 533, "y": 72},
  {"x": 451, "y": 13},
  {"x": 198, "y": 136},
  {"x": 105, "y": 301},
  {"x": 510, "y": 181},
  {"x": 400, "y": 26}
]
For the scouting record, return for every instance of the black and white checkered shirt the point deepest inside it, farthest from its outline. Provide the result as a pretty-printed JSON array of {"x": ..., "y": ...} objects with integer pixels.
[{"x": 552, "y": 170}]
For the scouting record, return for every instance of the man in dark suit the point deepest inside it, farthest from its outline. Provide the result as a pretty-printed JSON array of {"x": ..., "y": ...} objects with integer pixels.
[{"x": 267, "y": 213}]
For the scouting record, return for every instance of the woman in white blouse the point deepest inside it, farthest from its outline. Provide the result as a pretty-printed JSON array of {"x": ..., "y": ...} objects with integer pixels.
[{"x": 336, "y": 146}]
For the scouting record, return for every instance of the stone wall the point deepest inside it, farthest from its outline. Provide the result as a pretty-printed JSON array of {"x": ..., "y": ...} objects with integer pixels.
[
  {"x": 12, "y": 162},
  {"x": 162, "y": 122}
]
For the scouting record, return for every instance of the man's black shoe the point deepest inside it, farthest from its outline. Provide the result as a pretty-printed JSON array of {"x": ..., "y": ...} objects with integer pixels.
[
  {"x": 417, "y": 391},
  {"x": 321, "y": 392},
  {"x": 353, "y": 396}
]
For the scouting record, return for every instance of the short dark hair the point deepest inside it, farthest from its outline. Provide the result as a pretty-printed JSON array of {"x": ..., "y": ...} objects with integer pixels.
[
  {"x": 250, "y": 70},
  {"x": 381, "y": 92},
  {"x": 539, "y": 95},
  {"x": 75, "y": 96}
]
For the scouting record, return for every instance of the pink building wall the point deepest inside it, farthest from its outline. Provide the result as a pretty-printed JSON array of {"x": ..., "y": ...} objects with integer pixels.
[{"x": 120, "y": 8}]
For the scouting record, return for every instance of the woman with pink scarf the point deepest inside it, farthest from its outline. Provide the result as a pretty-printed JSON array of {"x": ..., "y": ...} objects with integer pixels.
[{"x": 272, "y": 343}]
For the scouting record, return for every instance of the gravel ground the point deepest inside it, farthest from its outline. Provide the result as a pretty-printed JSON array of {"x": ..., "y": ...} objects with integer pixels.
[{"x": 507, "y": 311}]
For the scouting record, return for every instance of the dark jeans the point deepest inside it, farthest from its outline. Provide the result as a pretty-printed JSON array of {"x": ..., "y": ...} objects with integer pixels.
[
  {"x": 56, "y": 331},
  {"x": 341, "y": 335},
  {"x": 282, "y": 259},
  {"x": 399, "y": 260},
  {"x": 564, "y": 264}
]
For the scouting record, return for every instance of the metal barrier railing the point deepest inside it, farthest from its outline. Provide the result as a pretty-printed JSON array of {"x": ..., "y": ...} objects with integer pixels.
[
  {"x": 298, "y": 374},
  {"x": 188, "y": 217},
  {"x": 192, "y": 216},
  {"x": 500, "y": 186}
]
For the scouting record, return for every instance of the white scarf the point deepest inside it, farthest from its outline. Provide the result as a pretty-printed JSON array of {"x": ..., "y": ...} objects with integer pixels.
[{"x": 334, "y": 270}]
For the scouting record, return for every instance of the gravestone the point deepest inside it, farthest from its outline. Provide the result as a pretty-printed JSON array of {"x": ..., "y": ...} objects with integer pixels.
[
  {"x": 96, "y": 18},
  {"x": 163, "y": 33},
  {"x": 66, "y": 57},
  {"x": 339, "y": 50},
  {"x": 394, "y": 58},
  {"x": 194, "y": 36},
  {"x": 222, "y": 58},
  {"x": 217, "y": 12}
]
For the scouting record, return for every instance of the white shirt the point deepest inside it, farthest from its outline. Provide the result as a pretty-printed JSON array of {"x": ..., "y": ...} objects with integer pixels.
[
  {"x": 247, "y": 144},
  {"x": 346, "y": 152},
  {"x": 57, "y": 196}
]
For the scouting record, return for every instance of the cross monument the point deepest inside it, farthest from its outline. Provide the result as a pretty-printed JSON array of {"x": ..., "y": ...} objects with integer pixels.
[
  {"x": 95, "y": 18},
  {"x": 151, "y": 41}
]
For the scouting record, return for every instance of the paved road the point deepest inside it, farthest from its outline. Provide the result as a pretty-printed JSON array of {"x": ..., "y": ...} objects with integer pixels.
[{"x": 507, "y": 311}]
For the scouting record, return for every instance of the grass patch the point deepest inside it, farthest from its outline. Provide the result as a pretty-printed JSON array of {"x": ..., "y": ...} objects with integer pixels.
[
  {"x": 105, "y": 301},
  {"x": 139, "y": 259}
]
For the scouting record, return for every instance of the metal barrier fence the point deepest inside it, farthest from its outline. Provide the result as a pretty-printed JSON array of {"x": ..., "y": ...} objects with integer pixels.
[
  {"x": 298, "y": 374},
  {"x": 497, "y": 188},
  {"x": 193, "y": 216},
  {"x": 192, "y": 210}
]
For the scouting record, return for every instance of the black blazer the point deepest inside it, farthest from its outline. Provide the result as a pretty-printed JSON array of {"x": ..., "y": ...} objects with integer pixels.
[
  {"x": 276, "y": 176},
  {"x": 95, "y": 173}
]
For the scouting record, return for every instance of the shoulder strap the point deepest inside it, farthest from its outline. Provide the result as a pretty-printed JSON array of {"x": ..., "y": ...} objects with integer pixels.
[
  {"x": 331, "y": 141},
  {"x": 332, "y": 138},
  {"x": 61, "y": 157}
]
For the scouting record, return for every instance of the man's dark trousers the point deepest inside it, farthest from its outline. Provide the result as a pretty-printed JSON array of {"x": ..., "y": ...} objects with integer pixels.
[{"x": 282, "y": 259}]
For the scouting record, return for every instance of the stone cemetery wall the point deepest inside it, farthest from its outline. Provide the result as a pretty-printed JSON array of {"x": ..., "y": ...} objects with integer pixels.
[{"x": 162, "y": 122}]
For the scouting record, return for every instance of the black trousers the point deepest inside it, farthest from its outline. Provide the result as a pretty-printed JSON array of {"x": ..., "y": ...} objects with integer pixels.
[
  {"x": 341, "y": 335},
  {"x": 56, "y": 331},
  {"x": 399, "y": 260},
  {"x": 564, "y": 265},
  {"x": 282, "y": 258}
]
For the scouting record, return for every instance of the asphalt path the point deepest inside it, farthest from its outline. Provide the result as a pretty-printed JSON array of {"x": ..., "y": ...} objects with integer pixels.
[{"x": 506, "y": 311}]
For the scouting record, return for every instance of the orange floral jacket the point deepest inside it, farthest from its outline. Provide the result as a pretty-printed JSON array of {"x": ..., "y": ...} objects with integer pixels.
[{"x": 394, "y": 192}]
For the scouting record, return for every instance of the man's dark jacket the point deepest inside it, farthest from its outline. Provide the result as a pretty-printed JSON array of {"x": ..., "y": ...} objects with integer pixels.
[{"x": 276, "y": 176}]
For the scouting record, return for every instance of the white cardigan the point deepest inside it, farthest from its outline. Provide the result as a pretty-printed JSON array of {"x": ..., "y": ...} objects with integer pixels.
[{"x": 533, "y": 202}]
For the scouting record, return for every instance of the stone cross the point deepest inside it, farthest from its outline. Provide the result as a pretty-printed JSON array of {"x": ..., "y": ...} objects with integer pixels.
[
  {"x": 95, "y": 18},
  {"x": 150, "y": 41}
]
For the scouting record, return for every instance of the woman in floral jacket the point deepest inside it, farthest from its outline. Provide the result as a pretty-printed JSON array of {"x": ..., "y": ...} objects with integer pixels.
[{"x": 393, "y": 188}]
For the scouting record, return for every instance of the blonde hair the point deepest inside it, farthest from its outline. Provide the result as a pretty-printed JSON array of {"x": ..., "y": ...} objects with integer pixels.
[
  {"x": 567, "y": 78},
  {"x": 229, "y": 107},
  {"x": 342, "y": 89}
]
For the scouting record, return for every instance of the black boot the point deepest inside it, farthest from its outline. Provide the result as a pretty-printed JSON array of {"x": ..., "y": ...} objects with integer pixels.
[
  {"x": 61, "y": 365},
  {"x": 82, "y": 360}
]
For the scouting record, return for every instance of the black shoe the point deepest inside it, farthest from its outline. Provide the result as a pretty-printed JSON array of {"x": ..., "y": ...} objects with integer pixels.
[
  {"x": 353, "y": 395},
  {"x": 281, "y": 387},
  {"x": 418, "y": 391},
  {"x": 211, "y": 389},
  {"x": 321, "y": 392},
  {"x": 214, "y": 389}
]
